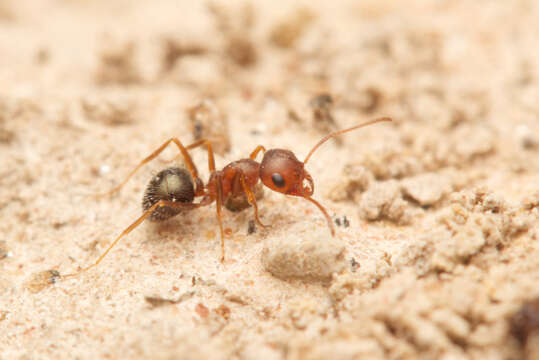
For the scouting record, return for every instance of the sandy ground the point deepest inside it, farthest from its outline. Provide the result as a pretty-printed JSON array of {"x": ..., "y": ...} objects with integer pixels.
[{"x": 435, "y": 254}]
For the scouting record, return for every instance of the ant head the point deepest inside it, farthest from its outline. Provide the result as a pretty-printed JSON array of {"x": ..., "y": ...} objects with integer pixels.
[{"x": 281, "y": 171}]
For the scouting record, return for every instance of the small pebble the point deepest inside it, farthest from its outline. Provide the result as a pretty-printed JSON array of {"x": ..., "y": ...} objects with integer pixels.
[
  {"x": 314, "y": 256},
  {"x": 426, "y": 189}
]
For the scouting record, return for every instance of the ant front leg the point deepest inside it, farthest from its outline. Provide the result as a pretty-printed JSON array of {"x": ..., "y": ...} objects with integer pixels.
[
  {"x": 133, "y": 226},
  {"x": 188, "y": 160},
  {"x": 250, "y": 197}
]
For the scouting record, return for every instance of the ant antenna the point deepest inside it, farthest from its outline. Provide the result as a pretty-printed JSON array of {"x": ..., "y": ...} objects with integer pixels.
[{"x": 336, "y": 133}]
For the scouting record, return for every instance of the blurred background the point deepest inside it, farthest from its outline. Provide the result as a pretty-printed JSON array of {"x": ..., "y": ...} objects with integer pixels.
[{"x": 437, "y": 211}]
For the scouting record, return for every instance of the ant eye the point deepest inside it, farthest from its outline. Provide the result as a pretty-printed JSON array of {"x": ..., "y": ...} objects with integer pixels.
[{"x": 277, "y": 180}]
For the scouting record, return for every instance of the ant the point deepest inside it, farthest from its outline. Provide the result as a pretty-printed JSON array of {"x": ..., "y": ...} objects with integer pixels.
[{"x": 173, "y": 190}]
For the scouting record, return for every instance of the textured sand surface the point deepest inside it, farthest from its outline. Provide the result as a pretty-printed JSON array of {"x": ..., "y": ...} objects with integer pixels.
[{"x": 436, "y": 253}]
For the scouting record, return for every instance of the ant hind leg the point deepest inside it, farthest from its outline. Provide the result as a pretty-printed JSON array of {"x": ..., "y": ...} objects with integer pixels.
[{"x": 133, "y": 226}]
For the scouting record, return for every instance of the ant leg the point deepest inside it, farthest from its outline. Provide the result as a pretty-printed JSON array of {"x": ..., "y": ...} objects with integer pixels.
[
  {"x": 188, "y": 160},
  {"x": 219, "y": 198},
  {"x": 218, "y": 205},
  {"x": 196, "y": 144},
  {"x": 330, "y": 223},
  {"x": 256, "y": 151},
  {"x": 250, "y": 198},
  {"x": 209, "y": 149},
  {"x": 132, "y": 227}
]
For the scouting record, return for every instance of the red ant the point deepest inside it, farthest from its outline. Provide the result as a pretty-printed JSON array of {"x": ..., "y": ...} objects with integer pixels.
[{"x": 172, "y": 190}]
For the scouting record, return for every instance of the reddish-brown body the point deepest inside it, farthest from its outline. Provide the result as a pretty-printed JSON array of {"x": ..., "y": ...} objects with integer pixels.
[
  {"x": 279, "y": 170},
  {"x": 230, "y": 178}
]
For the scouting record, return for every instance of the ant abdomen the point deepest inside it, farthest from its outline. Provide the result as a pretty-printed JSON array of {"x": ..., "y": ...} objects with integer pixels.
[{"x": 172, "y": 184}]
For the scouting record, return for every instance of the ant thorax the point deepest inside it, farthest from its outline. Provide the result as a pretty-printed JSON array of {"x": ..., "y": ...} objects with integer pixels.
[{"x": 233, "y": 173}]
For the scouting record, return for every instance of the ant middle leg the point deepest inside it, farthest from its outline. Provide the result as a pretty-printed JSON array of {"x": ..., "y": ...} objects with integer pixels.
[
  {"x": 209, "y": 149},
  {"x": 218, "y": 206},
  {"x": 219, "y": 196},
  {"x": 188, "y": 160},
  {"x": 133, "y": 226}
]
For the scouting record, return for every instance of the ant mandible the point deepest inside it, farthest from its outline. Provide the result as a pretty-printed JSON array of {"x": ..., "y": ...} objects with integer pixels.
[{"x": 172, "y": 190}]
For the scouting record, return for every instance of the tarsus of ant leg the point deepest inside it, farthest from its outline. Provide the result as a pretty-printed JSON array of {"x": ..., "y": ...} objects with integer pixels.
[
  {"x": 251, "y": 198},
  {"x": 189, "y": 162},
  {"x": 256, "y": 151},
  {"x": 330, "y": 223},
  {"x": 336, "y": 133},
  {"x": 218, "y": 205},
  {"x": 132, "y": 227}
]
